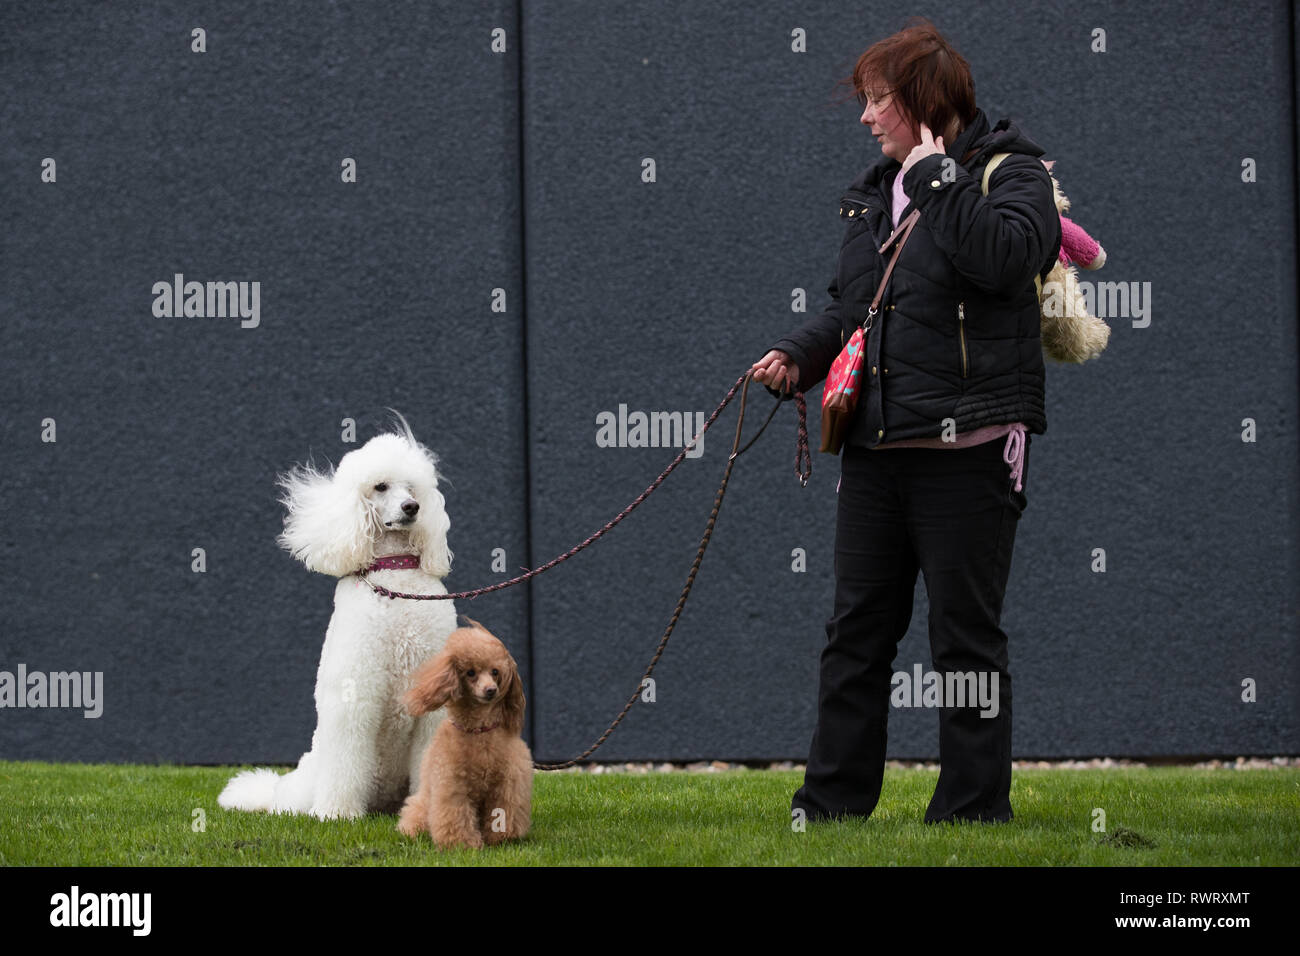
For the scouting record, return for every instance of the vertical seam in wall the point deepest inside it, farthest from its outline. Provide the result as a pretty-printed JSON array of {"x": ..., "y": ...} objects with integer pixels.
[
  {"x": 520, "y": 218},
  {"x": 1293, "y": 94}
]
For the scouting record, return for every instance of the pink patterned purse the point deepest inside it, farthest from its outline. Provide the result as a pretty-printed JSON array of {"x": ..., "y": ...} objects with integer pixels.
[{"x": 844, "y": 380}]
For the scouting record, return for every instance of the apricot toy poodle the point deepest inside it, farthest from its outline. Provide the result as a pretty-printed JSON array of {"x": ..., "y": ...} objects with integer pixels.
[{"x": 476, "y": 780}]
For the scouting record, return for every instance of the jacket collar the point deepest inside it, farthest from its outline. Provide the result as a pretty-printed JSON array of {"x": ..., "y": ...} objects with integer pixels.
[{"x": 975, "y": 130}]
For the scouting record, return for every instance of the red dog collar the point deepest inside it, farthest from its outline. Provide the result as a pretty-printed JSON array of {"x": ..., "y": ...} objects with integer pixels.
[
  {"x": 394, "y": 562},
  {"x": 480, "y": 730}
]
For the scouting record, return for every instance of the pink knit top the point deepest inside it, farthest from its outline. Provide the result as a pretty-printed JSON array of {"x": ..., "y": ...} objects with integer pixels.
[{"x": 1013, "y": 453}]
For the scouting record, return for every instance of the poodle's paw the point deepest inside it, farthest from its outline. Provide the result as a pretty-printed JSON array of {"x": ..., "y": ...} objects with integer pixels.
[
  {"x": 335, "y": 811},
  {"x": 413, "y": 820},
  {"x": 519, "y": 829},
  {"x": 411, "y": 827},
  {"x": 467, "y": 841},
  {"x": 452, "y": 834}
]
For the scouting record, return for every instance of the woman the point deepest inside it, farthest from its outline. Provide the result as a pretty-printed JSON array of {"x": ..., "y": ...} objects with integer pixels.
[{"x": 953, "y": 363}]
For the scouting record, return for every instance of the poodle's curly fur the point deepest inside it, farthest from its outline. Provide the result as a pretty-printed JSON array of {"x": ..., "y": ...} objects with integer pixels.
[
  {"x": 476, "y": 784},
  {"x": 365, "y": 753}
]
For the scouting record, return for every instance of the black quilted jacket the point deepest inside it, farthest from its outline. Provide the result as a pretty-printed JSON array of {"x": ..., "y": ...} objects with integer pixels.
[{"x": 957, "y": 334}]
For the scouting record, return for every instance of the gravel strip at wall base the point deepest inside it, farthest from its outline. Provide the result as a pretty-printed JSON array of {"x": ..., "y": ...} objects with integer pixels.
[{"x": 1095, "y": 763}]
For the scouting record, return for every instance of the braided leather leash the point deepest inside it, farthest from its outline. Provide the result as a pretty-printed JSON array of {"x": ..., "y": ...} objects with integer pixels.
[{"x": 803, "y": 468}]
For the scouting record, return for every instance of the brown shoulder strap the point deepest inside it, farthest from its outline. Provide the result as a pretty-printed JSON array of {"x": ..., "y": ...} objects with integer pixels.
[{"x": 904, "y": 230}]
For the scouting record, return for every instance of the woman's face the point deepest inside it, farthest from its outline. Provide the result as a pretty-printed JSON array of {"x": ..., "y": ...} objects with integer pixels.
[{"x": 888, "y": 125}]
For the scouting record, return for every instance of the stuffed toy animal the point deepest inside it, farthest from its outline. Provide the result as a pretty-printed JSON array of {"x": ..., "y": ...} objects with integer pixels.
[{"x": 1069, "y": 332}]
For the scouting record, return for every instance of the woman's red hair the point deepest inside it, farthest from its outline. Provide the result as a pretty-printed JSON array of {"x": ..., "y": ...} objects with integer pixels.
[{"x": 928, "y": 79}]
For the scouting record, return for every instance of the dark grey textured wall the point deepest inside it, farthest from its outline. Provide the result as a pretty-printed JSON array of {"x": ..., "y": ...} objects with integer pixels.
[{"x": 521, "y": 171}]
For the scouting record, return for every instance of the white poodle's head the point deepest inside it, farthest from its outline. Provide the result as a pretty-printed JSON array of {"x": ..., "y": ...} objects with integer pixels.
[{"x": 388, "y": 484}]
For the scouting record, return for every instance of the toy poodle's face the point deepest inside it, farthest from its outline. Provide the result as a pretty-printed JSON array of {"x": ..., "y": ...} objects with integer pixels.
[
  {"x": 474, "y": 671},
  {"x": 484, "y": 673}
]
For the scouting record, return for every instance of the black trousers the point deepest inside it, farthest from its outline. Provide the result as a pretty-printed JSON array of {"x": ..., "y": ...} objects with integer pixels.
[{"x": 951, "y": 514}]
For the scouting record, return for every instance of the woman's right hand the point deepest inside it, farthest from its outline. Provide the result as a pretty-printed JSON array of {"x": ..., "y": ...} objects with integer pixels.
[{"x": 777, "y": 370}]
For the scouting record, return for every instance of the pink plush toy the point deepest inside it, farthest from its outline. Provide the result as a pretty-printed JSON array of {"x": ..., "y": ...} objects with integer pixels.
[
  {"x": 1079, "y": 247},
  {"x": 1076, "y": 245}
]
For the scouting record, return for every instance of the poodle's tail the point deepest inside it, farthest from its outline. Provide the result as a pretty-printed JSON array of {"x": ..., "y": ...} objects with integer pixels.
[{"x": 250, "y": 790}]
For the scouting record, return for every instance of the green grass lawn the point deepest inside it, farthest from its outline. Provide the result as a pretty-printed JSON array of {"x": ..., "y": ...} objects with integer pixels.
[{"x": 123, "y": 815}]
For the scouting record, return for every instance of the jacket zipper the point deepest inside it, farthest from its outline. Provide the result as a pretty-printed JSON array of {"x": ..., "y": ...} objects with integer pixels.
[{"x": 961, "y": 332}]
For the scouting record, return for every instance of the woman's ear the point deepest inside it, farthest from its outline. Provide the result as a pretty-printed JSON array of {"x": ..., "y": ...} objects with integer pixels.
[
  {"x": 513, "y": 706},
  {"x": 328, "y": 526},
  {"x": 434, "y": 684}
]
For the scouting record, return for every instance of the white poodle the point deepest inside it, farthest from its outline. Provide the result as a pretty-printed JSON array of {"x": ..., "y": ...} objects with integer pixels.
[{"x": 382, "y": 500}]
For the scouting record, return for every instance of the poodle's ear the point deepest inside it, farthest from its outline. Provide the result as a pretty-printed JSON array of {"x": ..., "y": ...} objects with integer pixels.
[
  {"x": 429, "y": 536},
  {"x": 434, "y": 684},
  {"x": 329, "y": 526},
  {"x": 512, "y": 708}
]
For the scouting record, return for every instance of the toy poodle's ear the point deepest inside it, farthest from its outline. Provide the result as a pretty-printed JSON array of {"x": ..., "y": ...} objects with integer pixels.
[
  {"x": 329, "y": 525},
  {"x": 434, "y": 684},
  {"x": 429, "y": 536},
  {"x": 512, "y": 708}
]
